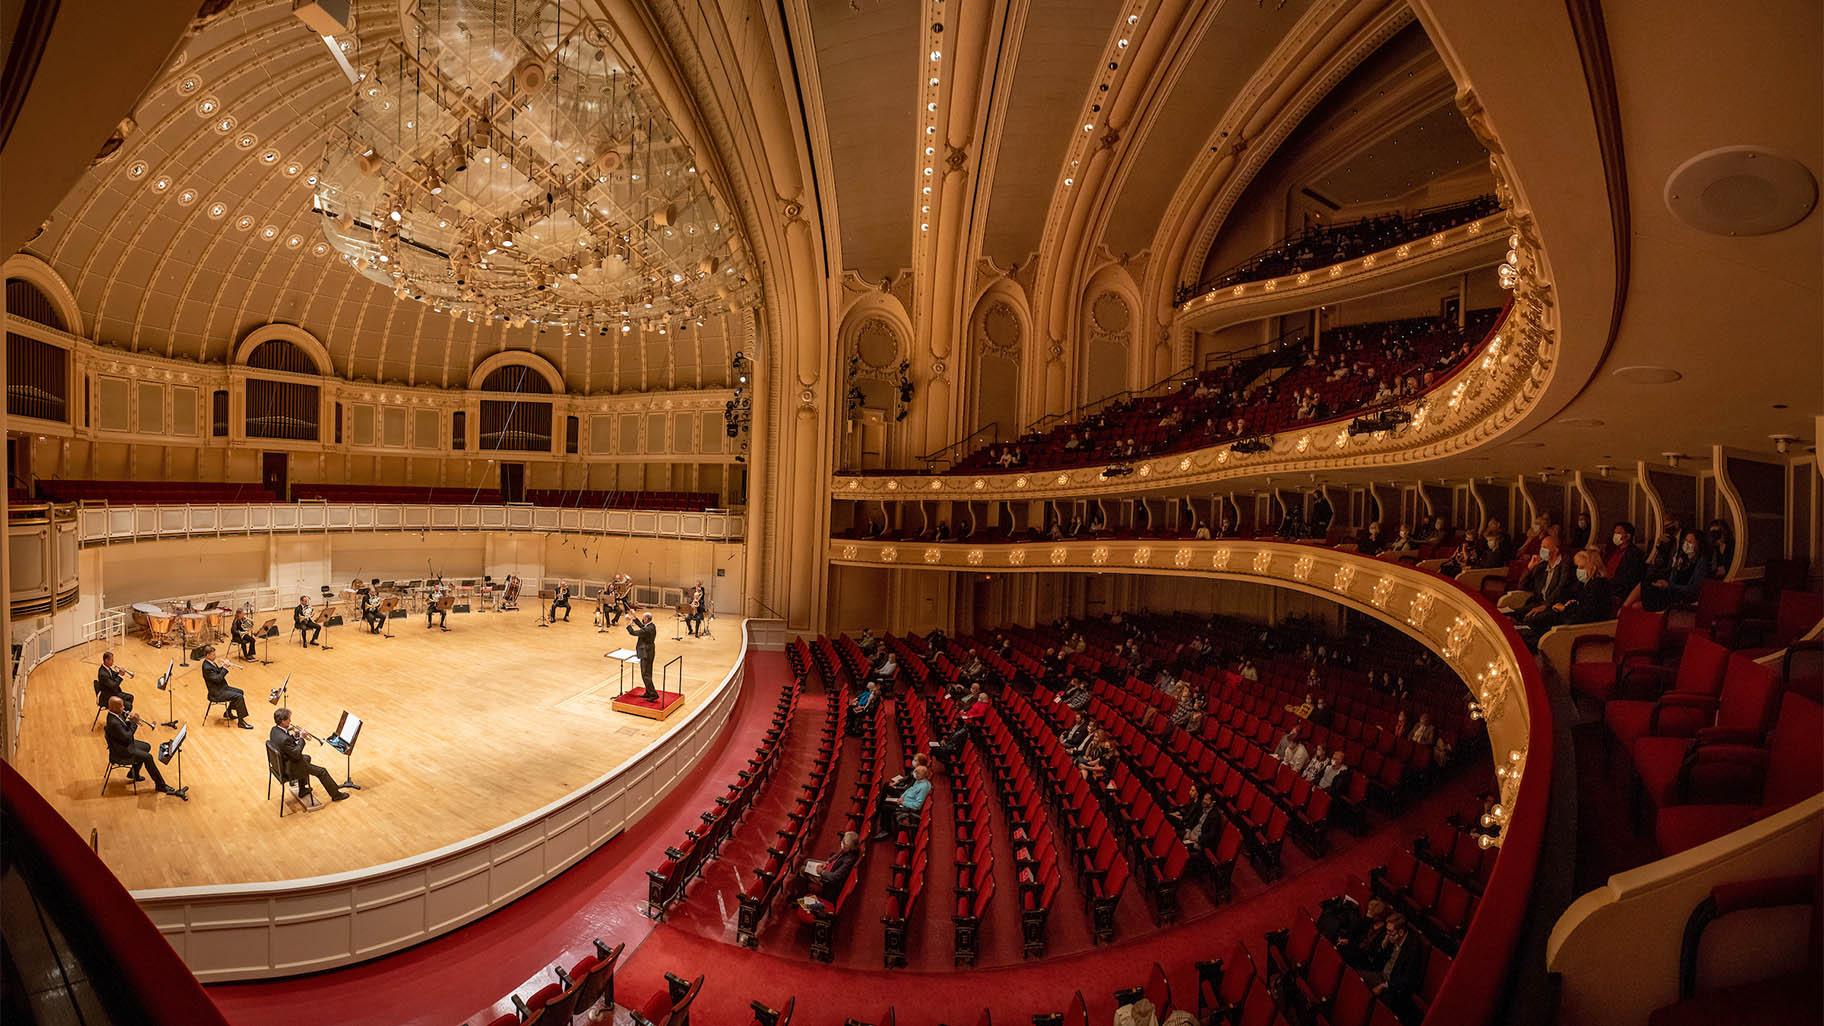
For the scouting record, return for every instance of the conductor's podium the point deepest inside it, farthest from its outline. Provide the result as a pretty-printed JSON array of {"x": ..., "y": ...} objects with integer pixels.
[{"x": 633, "y": 701}]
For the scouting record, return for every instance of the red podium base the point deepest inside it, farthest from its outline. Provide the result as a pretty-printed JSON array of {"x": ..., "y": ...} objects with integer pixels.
[{"x": 636, "y": 703}]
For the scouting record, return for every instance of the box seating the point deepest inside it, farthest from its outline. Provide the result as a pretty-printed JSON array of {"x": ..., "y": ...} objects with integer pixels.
[
  {"x": 1727, "y": 786},
  {"x": 1673, "y": 769}
]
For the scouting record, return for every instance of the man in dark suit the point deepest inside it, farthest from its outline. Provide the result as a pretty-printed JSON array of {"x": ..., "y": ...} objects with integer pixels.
[
  {"x": 825, "y": 877},
  {"x": 215, "y": 679},
  {"x": 1397, "y": 968},
  {"x": 123, "y": 749},
  {"x": 107, "y": 683},
  {"x": 294, "y": 763},
  {"x": 560, "y": 599},
  {"x": 645, "y": 634},
  {"x": 303, "y": 618},
  {"x": 371, "y": 614},
  {"x": 433, "y": 606}
]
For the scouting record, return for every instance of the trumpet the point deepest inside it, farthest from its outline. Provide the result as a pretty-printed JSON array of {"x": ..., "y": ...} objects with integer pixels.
[
  {"x": 123, "y": 671},
  {"x": 304, "y": 735}
]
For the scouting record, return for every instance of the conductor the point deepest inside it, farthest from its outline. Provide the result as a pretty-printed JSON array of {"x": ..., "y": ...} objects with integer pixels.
[
  {"x": 215, "y": 679},
  {"x": 107, "y": 683},
  {"x": 297, "y": 766},
  {"x": 644, "y": 632},
  {"x": 136, "y": 755}
]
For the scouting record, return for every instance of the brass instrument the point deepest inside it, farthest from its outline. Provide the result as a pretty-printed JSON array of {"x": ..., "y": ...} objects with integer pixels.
[{"x": 301, "y": 734}]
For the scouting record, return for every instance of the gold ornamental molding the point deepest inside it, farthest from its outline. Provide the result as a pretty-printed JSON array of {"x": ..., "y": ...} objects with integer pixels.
[
  {"x": 1479, "y": 243},
  {"x": 1483, "y": 400},
  {"x": 1459, "y": 628}
]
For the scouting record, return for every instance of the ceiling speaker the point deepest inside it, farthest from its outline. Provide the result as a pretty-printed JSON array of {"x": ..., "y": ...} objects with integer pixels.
[
  {"x": 1741, "y": 190},
  {"x": 530, "y": 76}
]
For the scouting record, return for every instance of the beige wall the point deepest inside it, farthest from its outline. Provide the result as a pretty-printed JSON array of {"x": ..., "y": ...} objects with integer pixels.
[{"x": 124, "y": 573}]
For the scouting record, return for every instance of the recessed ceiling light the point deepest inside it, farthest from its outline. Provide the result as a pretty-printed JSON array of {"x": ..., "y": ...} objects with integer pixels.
[
  {"x": 1643, "y": 374},
  {"x": 161, "y": 183},
  {"x": 207, "y": 106},
  {"x": 246, "y": 140},
  {"x": 226, "y": 125},
  {"x": 292, "y": 169},
  {"x": 294, "y": 242},
  {"x": 187, "y": 197},
  {"x": 269, "y": 157},
  {"x": 244, "y": 222},
  {"x": 320, "y": 248},
  {"x": 218, "y": 210},
  {"x": 189, "y": 85},
  {"x": 269, "y": 232},
  {"x": 137, "y": 169}
]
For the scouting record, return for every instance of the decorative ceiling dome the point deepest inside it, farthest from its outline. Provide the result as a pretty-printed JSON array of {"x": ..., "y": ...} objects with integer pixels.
[{"x": 505, "y": 161}]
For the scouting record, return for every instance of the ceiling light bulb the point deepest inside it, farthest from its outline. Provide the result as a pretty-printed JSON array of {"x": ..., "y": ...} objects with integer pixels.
[
  {"x": 937, "y": 55},
  {"x": 396, "y": 216}
]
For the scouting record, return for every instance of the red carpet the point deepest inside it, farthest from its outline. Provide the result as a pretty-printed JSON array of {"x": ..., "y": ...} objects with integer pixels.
[
  {"x": 638, "y": 704},
  {"x": 466, "y": 976}
]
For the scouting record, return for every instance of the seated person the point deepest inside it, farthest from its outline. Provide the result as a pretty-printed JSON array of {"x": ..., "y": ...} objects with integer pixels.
[
  {"x": 863, "y": 707},
  {"x": 1678, "y": 582},
  {"x": 1076, "y": 695},
  {"x": 297, "y": 765},
  {"x": 1548, "y": 578},
  {"x": 1369, "y": 542},
  {"x": 1291, "y": 750},
  {"x": 1200, "y": 822},
  {"x": 1076, "y": 737},
  {"x": 215, "y": 681},
  {"x": 1423, "y": 733},
  {"x": 867, "y": 642},
  {"x": 107, "y": 683},
  {"x": 1403, "y": 542},
  {"x": 304, "y": 619},
  {"x": 124, "y": 750},
  {"x": 974, "y": 714},
  {"x": 1331, "y": 771},
  {"x": 886, "y": 671},
  {"x": 1321, "y": 713},
  {"x": 824, "y": 877},
  {"x": 905, "y": 809},
  {"x": 1396, "y": 967},
  {"x": 240, "y": 632},
  {"x": 1586, "y": 600},
  {"x": 1624, "y": 565},
  {"x": 896, "y": 785},
  {"x": 1095, "y": 757}
]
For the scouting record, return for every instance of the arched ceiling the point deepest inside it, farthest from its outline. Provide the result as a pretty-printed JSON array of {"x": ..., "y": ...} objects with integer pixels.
[{"x": 192, "y": 236}]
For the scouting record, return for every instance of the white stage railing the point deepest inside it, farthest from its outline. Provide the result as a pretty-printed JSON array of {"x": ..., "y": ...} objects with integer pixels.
[
  {"x": 34, "y": 649},
  {"x": 101, "y": 525}
]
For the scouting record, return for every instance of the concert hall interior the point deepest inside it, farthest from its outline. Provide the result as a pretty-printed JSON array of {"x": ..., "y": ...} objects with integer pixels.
[{"x": 912, "y": 512}]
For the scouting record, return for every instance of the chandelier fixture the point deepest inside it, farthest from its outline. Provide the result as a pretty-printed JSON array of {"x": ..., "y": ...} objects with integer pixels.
[{"x": 503, "y": 161}]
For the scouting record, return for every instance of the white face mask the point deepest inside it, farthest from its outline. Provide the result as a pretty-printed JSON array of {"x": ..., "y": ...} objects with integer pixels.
[
  {"x": 1619, "y": 538},
  {"x": 1547, "y": 554},
  {"x": 1690, "y": 549},
  {"x": 1583, "y": 575}
]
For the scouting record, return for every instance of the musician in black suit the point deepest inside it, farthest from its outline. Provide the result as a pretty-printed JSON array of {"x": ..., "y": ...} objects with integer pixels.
[
  {"x": 294, "y": 764},
  {"x": 434, "y": 607},
  {"x": 695, "y": 619},
  {"x": 304, "y": 619},
  {"x": 107, "y": 683},
  {"x": 560, "y": 599},
  {"x": 215, "y": 679},
  {"x": 370, "y": 611},
  {"x": 645, "y": 633},
  {"x": 240, "y": 631},
  {"x": 137, "y": 755}
]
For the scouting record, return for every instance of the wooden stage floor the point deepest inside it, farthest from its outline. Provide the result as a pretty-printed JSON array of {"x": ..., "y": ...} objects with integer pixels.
[{"x": 463, "y": 732}]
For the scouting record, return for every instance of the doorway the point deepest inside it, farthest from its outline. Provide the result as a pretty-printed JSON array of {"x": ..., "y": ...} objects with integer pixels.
[
  {"x": 512, "y": 482},
  {"x": 275, "y": 475}
]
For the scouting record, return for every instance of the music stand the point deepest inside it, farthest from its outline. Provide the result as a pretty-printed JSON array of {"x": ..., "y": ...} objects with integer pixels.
[
  {"x": 387, "y": 605},
  {"x": 164, "y": 684},
  {"x": 329, "y": 613},
  {"x": 623, "y": 656},
  {"x": 348, "y": 731},
  {"x": 542, "y": 607},
  {"x": 174, "y": 748},
  {"x": 183, "y": 640},
  {"x": 268, "y": 631}
]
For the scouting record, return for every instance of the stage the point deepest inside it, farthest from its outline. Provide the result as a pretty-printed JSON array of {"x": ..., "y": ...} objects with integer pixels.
[{"x": 465, "y": 731}]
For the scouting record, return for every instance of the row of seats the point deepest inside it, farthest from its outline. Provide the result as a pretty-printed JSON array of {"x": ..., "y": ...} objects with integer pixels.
[
  {"x": 911, "y": 848},
  {"x": 667, "y": 881},
  {"x": 155, "y": 493}
]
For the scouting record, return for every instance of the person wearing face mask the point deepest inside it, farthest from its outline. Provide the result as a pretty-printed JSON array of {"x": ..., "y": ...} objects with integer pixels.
[
  {"x": 1580, "y": 534},
  {"x": 1369, "y": 542},
  {"x": 1499, "y": 546},
  {"x": 1585, "y": 598},
  {"x": 1403, "y": 542},
  {"x": 1535, "y": 536},
  {"x": 1623, "y": 564},
  {"x": 1721, "y": 543},
  {"x": 1548, "y": 578},
  {"x": 1678, "y": 583}
]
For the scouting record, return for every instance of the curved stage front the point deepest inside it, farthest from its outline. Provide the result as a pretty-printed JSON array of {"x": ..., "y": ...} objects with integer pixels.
[{"x": 490, "y": 762}]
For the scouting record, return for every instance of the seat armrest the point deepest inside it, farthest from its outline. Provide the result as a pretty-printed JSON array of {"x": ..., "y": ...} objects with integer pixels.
[{"x": 1735, "y": 736}]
